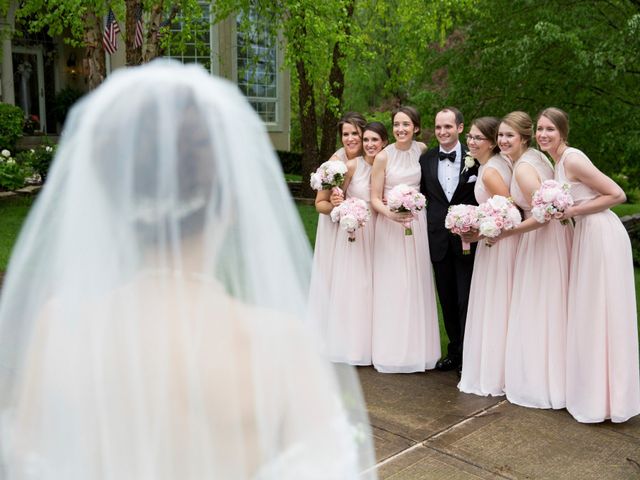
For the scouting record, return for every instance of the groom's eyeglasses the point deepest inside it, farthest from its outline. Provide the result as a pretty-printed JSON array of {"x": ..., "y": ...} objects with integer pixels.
[{"x": 475, "y": 138}]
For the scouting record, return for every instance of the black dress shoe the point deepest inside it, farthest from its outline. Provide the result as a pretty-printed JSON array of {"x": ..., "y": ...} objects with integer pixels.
[{"x": 447, "y": 364}]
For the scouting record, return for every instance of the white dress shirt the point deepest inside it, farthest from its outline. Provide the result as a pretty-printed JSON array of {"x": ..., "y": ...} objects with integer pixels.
[{"x": 449, "y": 172}]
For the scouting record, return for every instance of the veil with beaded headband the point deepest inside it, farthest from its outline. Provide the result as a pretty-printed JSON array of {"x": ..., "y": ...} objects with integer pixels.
[{"x": 151, "y": 320}]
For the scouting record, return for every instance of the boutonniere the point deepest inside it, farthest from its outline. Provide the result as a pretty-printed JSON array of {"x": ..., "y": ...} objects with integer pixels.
[{"x": 469, "y": 162}]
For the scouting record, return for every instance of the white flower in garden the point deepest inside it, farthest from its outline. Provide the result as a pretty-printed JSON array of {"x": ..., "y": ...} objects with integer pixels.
[
  {"x": 48, "y": 149},
  {"x": 6, "y": 153},
  {"x": 32, "y": 150},
  {"x": 11, "y": 161}
]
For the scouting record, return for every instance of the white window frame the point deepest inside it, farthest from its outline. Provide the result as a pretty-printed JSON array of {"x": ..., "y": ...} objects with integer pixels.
[{"x": 278, "y": 125}]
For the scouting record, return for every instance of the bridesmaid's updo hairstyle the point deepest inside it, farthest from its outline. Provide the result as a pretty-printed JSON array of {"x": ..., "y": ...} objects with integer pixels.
[
  {"x": 521, "y": 122},
  {"x": 352, "y": 118},
  {"x": 410, "y": 112},
  {"x": 559, "y": 118},
  {"x": 488, "y": 126},
  {"x": 378, "y": 128}
]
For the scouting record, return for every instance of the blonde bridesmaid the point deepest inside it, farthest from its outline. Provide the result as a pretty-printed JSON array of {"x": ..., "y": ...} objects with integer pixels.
[
  {"x": 486, "y": 326},
  {"x": 536, "y": 338},
  {"x": 603, "y": 377}
]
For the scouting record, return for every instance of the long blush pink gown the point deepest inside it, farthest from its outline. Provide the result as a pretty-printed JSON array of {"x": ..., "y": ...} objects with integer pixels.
[
  {"x": 406, "y": 337},
  {"x": 535, "y": 359},
  {"x": 321, "y": 272},
  {"x": 603, "y": 377},
  {"x": 489, "y": 299},
  {"x": 351, "y": 296}
]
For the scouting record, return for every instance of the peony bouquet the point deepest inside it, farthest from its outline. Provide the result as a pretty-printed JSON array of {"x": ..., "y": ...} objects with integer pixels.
[
  {"x": 497, "y": 215},
  {"x": 462, "y": 219},
  {"x": 550, "y": 201},
  {"x": 352, "y": 214},
  {"x": 403, "y": 198},
  {"x": 329, "y": 175}
]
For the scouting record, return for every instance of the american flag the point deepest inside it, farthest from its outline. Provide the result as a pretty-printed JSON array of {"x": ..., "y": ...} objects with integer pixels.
[
  {"x": 109, "y": 40},
  {"x": 137, "y": 42}
]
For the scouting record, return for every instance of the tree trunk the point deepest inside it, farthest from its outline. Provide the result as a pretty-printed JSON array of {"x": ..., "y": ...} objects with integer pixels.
[
  {"x": 93, "y": 61},
  {"x": 133, "y": 54},
  {"x": 308, "y": 127},
  {"x": 152, "y": 44},
  {"x": 336, "y": 84}
]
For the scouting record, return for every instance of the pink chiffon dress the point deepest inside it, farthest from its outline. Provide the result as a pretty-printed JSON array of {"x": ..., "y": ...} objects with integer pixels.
[
  {"x": 489, "y": 299},
  {"x": 535, "y": 359},
  {"x": 603, "y": 378},
  {"x": 406, "y": 337},
  {"x": 350, "y": 301},
  {"x": 321, "y": 274}
]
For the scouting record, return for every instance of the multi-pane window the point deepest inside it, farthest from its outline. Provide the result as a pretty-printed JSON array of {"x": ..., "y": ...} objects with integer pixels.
[
  {"x": 257, "y": 66},
  {"x": 198, "y": 48}
]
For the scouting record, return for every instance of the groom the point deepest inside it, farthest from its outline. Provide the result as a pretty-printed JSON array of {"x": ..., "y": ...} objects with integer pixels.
[{"x": 444, "y": 183}]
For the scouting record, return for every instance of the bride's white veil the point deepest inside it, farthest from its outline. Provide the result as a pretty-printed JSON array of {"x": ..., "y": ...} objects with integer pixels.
[{"x": 152, "y": 318}]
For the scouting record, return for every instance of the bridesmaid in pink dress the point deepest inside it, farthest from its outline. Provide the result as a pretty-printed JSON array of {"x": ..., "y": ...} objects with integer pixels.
[
  {"x": 351, "y": 296},
  {"x": 350, "y": 128},
  {"x": 406, "y": 337},
  {"x": 603, "y": 377},
  {"x": 486, "y": 327},
  {"x": 536, "y": 338}
]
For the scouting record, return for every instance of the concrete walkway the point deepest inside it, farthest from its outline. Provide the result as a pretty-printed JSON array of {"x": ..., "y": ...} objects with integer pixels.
[{"x": 424, "y": 428}]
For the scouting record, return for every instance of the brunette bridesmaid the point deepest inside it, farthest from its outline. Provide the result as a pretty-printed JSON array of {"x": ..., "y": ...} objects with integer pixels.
[
  {"x": 350, "y": 301},
  {"x": 350, "y": 129},
  {"x": 406, "y": 337},
  {"x": 486, "y": 327},
  {"x": 536, "y": 338},
  {"x": 603, "y": 377}
]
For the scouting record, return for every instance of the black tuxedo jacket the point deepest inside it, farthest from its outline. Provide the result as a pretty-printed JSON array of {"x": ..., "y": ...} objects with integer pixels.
[{"x": 441, "y": 239}]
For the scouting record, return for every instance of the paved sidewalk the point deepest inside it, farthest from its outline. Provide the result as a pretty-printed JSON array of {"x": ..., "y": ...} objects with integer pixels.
[{"x": 424, "y": 428}]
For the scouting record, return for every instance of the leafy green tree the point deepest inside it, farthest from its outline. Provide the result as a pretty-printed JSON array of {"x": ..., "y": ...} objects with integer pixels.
[
  {"x": 80, "y": 23},
  {"x": 583, "y": 57}
]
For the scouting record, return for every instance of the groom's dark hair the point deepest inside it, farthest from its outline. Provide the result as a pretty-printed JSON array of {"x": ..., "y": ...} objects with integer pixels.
[{"x": 457, "y": 113}]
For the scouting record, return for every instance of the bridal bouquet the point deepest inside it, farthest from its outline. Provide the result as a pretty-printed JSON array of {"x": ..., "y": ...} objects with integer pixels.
[
  {"x": 329, "y": 175},
  {"x": 497, "y": 215},
  {"x": 550, "y": 201},
  {"x": 462, "y": 219},
  {"x": 352, "y": 214},
  {"x": 403, "y": 198}
]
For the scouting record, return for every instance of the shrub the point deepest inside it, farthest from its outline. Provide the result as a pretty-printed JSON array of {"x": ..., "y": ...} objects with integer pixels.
[
  {"x": 623, "y": 179},
  {"x": 13, "y": 174},
  {"x": 291, "y": 162},
  {"x": 11, "y": 123},
  {"x": 63, "y": 101},
  {"x": 38, "y": 159}
]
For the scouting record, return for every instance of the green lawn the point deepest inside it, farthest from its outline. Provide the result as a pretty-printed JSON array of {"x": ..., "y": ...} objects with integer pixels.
[
  {"x": 627, "y": 209},
  {"x": 13, "y": 211}
]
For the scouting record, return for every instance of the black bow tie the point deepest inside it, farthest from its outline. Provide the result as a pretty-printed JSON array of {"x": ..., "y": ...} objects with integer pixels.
[{"x": 451, "y": 156}]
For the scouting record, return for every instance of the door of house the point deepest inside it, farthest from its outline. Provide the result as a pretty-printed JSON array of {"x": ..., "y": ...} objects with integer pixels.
[{"x": 28, "y": 81}]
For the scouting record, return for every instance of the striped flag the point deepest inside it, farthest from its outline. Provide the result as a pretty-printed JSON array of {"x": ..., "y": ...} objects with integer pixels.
[
  {"x": 111, "y": 29},
  {"x": 137, "y": 42}
]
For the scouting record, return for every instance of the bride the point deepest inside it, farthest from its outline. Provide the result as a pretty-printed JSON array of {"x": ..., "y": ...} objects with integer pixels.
[{"x": 150, "y": 322}]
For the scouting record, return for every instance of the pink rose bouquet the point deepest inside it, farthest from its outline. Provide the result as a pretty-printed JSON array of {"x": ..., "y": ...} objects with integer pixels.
[
  {"x": 329, "y": 175},
  {"x": 462, "y": 219},
  {"x": 497, "y": 215},
  {"x": 403, "y": 198},
  {"x": 550, "y": 201},
  {"x": 352, "y": 214}
]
